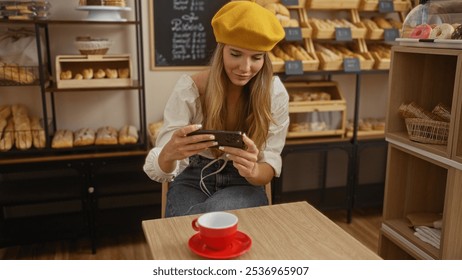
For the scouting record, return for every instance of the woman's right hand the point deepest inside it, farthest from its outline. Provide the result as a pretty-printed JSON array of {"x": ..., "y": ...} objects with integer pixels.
[{"x": 182, "y": 146}]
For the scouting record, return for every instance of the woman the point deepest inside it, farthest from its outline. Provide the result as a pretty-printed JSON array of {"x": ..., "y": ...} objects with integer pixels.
[{"x": 237, "y": 93}]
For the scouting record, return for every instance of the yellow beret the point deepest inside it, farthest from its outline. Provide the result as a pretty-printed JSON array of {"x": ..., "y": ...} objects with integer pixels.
[{"x": 247, "y": 25}]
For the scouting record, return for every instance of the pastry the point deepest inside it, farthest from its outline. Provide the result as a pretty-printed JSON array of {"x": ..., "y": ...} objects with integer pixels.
[
  {"x": 111, "y": 73},
  {"x": 100, "y": 74},
  {"x": 87, "y": 73},
  {"x": 442, "y": 31},
  {"x": 421, "y": 31},
  {"x": 62, "y": 139},
  {"x": 128, "y": 134},
  {"x": 66, "y": 75},
  {"x": 123, "y": 73},
  {"x": 457, "y": 34},
  {"x": 106, "y": 135},
  {"x": 84, "y": 137}
]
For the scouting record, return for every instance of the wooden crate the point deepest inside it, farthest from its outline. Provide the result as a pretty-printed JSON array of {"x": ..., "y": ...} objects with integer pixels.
[
  {"x": 373, "y": 5},
  {"x": 333, "y": 109},
  {"x": 329, "y": 33},
  {"x": 328, "y": 4},
  {"x": 308, "y": 65},
  {"x": 381, "y": 63},
  {"x": 77, "y": 63}
]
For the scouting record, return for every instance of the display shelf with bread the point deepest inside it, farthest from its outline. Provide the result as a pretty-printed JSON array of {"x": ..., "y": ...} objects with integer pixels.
[
  {"x": 290, "y": 51},
  {"x": 374, "y": 5},
  {"x": 316, "y": 109},
  {"x": 423, "y": 175},
  {"x": 332, "y": 5},
  {"x": 93, "y": 71}
]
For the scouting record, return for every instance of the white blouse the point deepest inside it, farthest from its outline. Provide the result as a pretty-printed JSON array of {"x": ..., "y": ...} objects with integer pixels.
[{"x": 184, "y": 108}]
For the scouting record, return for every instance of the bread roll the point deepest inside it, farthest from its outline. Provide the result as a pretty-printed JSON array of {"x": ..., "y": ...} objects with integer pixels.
[
  {"x": 84, "y": 137},
  {"x": 124, "y": 73},
  {"x": 106, "y": 135},
  {"x": 111, "y": 73},
  {"x": 7, "y": 138},
  {"x": 128, "y": 134},
  {"x": 63, "y": 138},
  {"x": 100, "y": 74},
  {"x": 87, "y": 73},
  {"x": 66, "y": 75},
  {"x": 78, "y": 76},
  {"x": 38, "y": 133}
]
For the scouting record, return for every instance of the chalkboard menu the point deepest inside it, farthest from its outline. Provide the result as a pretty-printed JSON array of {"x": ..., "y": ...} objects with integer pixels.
[{"x": 181, "y": 33}]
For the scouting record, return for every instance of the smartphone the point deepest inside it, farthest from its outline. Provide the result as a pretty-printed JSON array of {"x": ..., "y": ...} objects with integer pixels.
[{"x": 224, "y": 137}]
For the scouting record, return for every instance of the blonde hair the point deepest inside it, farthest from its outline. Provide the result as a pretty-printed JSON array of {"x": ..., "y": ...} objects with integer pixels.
[{"x": 254, "y": 107}]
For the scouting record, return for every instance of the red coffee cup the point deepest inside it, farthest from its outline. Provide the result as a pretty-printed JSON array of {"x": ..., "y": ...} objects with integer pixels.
[{"x": 217, "y": 229}]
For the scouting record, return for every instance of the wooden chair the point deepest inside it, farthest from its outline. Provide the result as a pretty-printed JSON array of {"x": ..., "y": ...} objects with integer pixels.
[{"x": 165, "y": 186}]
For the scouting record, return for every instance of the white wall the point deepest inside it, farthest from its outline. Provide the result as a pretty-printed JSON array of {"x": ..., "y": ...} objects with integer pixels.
[{"x": 95, "y": 109}]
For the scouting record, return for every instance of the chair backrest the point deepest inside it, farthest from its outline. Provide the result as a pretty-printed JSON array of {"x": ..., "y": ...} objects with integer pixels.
[{"x": 165, "y": 186}]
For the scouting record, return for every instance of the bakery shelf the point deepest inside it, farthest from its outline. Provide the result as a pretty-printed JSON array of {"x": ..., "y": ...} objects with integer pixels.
[
  {"x": 399, "y": 231},
  {"x": 427, "y": 77},
  {"x": 373, "y": 5},
  {"x": 134, "y": 86},
  {"x": 332, "y": 5}
]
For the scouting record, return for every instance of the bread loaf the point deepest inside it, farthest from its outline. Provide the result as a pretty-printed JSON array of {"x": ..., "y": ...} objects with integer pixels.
[
  {"x": 22, "y": 132},
  {"x": 106, "y": 135},
  {"x": 124, "y": 73},
  {"x": 38, "y": 133},
  {"x": 7, "y": 138},
  {"x": 100, "y": 74},
  {"x": 84, "y": 137},
  {"x": 111, "y": 73},
  {"x": 19, "y": 110},
  {"x": 63, "y": 138},
  {"x": 128, "y": 134}
]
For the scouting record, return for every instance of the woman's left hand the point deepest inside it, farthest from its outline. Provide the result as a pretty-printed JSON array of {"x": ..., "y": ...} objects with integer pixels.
[{"x": 245, "y": 161}]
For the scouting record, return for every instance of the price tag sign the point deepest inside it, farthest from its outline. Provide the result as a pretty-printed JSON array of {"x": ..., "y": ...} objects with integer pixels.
[
  {"x": 390, "y": 34},
  {"x": 343, "y": 34},
  {"x": 293, "y": 33},
  {"x": 386, "y": 6},
  {"x": 351, "y": 65},
  {"x": 289, "y": 2},
  {"x": 293, "y": 67}
]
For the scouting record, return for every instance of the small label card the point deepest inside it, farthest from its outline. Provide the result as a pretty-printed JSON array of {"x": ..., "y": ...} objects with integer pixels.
[
  {"x": 351, "y": 65},
  {"x": 293, "y": 67},
  {"x": 343, "y": 34},
  {"x": 293, "y": 33},
  {"x": 386, "y": 6},
  {"x": 390, "y": 34},
  {"x": 289, "y": 2}
]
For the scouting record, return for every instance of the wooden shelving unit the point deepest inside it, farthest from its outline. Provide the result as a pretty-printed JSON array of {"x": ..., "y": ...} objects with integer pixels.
[{"x": 422, "y": 177}]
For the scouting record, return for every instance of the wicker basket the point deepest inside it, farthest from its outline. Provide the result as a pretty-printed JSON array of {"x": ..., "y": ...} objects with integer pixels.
[
  {"x": 94, "y": 46},
  {"x": 427, "y": 131}
]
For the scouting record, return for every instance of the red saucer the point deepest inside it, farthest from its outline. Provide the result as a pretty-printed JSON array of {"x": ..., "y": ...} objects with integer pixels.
[{"x": 240, "y": 245}]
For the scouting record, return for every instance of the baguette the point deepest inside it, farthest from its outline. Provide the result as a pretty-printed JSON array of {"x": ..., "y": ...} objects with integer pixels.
[
  {"x": 7, "y": 139},
  {"x": 38, "y": 133},
  {"x": 22, "y": 131}
]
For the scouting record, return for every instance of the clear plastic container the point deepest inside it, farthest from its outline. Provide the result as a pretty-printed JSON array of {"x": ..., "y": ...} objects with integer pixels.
[{"x": 434, "y": 19}]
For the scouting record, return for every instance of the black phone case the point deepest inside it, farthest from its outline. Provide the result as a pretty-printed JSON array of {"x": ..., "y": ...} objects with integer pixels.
[{"x": 224, "y": 137}]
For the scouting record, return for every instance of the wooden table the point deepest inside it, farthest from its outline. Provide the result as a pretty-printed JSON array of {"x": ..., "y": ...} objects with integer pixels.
[{"x": 281, "y": 231}]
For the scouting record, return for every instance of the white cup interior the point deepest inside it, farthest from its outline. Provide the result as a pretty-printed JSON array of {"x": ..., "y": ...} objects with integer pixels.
[{"x": 217, "y": 220}]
